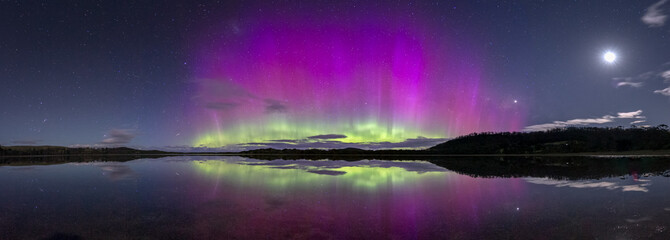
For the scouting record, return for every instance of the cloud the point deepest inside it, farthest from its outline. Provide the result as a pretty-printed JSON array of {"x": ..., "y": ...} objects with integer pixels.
[
  {"x": 118, "y": 137},
  {"x": 274, "y": 106},
  {"x": 638, "y": 121},
  {"x": 26, "y": 142},
  {"x": 285, "y": 141},
  {"x": 636, "y": 81},
  {"x": 631, "y": 84},
  {"x": 585, "y": 121},
  {"x": 666, "y": 75},
  {"x": 665, "y": 91},
  {"x": 328, "y": 136},
  {"x": 654, "y": 16},
  {"x": 635, "y": 114},
  {"x": 223, "y": 106}
]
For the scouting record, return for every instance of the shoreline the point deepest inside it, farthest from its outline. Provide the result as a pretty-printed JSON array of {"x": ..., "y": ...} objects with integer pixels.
[{"x": 585, "y": 154}]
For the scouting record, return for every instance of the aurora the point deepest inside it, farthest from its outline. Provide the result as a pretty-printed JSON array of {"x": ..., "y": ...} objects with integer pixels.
[{"x": 388, "y": 76}]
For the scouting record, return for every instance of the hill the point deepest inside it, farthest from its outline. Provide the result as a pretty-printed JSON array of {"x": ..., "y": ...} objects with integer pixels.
[{"x": 563, "y": 140}]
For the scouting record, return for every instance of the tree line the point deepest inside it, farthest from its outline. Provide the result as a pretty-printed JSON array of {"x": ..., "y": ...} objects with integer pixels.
[
  {"x": 560, "y": 140},
  {"x": 56, "y": 150}
]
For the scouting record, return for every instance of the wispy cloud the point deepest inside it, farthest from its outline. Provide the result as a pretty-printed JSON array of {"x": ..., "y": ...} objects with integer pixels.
[
  {"x": 118, "y": 137},
  {"x": 666, "y": 76},
  {"x": 636, "y": 81},
  {"x": 663, "y": 72},
  {"x": 286, "y": 140},
  {"x": 274, "y": 106},
  {"x": 654, "y": 16},
  {"x": 223, "y": 106},
  {"x": 665, "y": 91},
  {"x": 630, "y": 84},
  {"x": 328, "y": 136},
  {"x": 635, "y": 114},
  {"x": 585, "y": 121}
]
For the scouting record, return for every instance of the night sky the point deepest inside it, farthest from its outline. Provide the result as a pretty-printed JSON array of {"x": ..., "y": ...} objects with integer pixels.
[{"x": 224, "y": 75}]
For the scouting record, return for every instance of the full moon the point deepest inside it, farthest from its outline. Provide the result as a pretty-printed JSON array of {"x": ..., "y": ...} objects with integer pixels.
[{"x": 609, "y": 57}]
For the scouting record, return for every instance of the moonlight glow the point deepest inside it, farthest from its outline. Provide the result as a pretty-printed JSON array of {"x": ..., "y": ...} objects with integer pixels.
[{"x": 609, "y": 57}]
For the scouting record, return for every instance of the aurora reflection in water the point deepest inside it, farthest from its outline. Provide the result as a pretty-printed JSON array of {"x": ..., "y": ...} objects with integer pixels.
[{"x": 239, "y": 198}]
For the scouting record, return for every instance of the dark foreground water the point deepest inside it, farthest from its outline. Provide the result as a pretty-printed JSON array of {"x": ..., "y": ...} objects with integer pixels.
[{"x": 242, "y": 198}]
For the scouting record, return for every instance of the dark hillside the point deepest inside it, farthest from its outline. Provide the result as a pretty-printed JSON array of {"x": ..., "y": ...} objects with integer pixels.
[{"x": 564, "y": 140}]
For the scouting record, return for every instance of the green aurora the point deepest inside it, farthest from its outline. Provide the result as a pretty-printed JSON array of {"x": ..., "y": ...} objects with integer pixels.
[{"x": 368, "y": 176}]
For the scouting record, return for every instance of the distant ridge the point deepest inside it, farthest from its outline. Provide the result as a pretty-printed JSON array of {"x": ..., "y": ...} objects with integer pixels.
[
  {"x": 58, "y": 150},
  {"x": 570, "y": 140}
]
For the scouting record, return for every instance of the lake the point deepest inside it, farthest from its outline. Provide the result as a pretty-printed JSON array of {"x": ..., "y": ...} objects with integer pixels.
[{"x": 230, "y": 197}]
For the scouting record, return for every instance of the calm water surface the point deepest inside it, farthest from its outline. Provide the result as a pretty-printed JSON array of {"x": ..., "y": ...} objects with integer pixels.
[{"x": 242, "y": 198}]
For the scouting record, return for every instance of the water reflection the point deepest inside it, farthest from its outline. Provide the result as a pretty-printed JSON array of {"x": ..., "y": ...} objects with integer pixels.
[
  {"x": 369, "y": 199},
  {"x": 367, "y": 174},
  {"x": 593, "y": 184},
  {"x": 116, "y": 171},
  {"x": 242, "y": 198}
]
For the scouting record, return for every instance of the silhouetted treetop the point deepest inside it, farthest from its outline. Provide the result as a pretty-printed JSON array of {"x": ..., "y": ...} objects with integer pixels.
[{"x": 560, "y": 140}]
